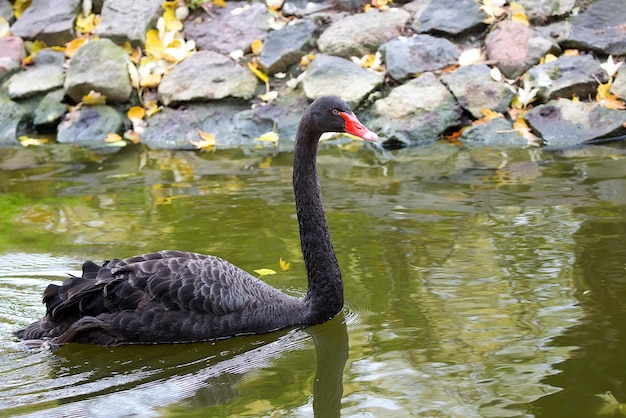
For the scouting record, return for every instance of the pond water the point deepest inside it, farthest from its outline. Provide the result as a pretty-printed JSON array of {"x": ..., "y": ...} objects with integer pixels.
[{"x": 484, "y": 283}]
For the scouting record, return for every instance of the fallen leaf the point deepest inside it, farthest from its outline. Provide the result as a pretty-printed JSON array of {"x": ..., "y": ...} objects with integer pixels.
[
  {"x": 169, "y": 16},
  {"x": 4, "y": 27},
  {"x": 488, "y": 116},
  {"x": 73, "y": 45},
  {"x": 19, "y": 6},
  {"x": 518, "y": 14},
  {"x": 547, "y": 58},
  {"x": 269, "y": 96},
  {"x": 154, "y": 45},
  {"x": 112, "y": 137},
  {"x": 469, "y": 57},
  {"x": 611, "y": 67},
  {"x": 306, "y": 59},
  {"x": 85, "y": 24},
  {"x": 522, "y": 128},
  {"x": 27, "y": 141},
  {"x": 271, "y": 137},
  {"x": 136, "y": 113},
  {"x": 264, "y": 272},
  {"x": 94, "y": 98},
  {"x": 260, "y": 74},
  {"x": 256, "y": 46},
  {"x": 284, "y": 265},
  {"x": 206, "y": 143}
]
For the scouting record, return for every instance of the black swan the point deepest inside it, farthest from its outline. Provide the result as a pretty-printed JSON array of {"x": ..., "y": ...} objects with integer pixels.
[{"x": 175, "y": 296}]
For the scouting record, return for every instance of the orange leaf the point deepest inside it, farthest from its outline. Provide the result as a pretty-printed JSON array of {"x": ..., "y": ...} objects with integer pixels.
[{"x": 256, "y": 46}]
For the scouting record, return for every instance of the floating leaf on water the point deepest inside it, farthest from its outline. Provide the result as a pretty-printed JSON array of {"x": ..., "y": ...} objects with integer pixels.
[
  {"x": 271, "y": 137},
  {"x": 27, "y": 141},
  {"x": 284, "y": 265},
  {"x": 206, "y": 143},
  {"x": 264, "y": 272}
]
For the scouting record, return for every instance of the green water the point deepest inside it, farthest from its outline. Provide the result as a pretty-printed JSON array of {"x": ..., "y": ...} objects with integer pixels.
[{"x": 478, "y": 283}]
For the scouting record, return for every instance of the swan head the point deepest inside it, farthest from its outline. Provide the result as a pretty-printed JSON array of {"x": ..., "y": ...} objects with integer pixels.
[{"x": 334, "y": 115}]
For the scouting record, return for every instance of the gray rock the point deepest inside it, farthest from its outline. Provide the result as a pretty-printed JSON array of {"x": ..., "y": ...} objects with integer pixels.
[
  {"x": 515, "y": 48},
  {"x": 6, "y": 11},
  {"x": 563, "y": 123},
  {"x": 566, "y": 76},
  {"x": 287, "y": 46},
  {"x": 600, "y": 28},
  {"x": 619, "y": 84},
  {"x": 416, "y": 112},
  {"x": 124, "y": 20},
  {"x": 206, "y": 75},
  {"x": 451, "y": 17},
  {"x": 176, "y": 128},
  {"x": 405, "y": 57},
  {"x": 51, "y": 21},
  {"x": 101, "y": 66},
  {"x": 497, "y": 133},
  {"x": 46, "y": 74},
  {"x": 474, "y": 89},
  {"x": 540, "y": 11},
  {"x": 11, "y": 116},
  {"x": 11, "y": 54},
  {"x": 329, "y": 75},
  {"x": 89, "y": 126},
  {"x": 50, "y": 110},
  {"x": 362, "y": 33},
  {"x": 225, "y": 32}
]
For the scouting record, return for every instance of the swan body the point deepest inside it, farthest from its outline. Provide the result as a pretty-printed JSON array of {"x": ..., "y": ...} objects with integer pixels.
[{"x": 175, "y": 296}]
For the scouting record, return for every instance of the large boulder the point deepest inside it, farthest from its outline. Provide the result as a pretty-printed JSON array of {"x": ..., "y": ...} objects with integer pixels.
[
  {"x": 101, "y": 66},
  {"x": 123, "y": 20},
  {"x": 46, "y": 74},
  {"x": 416, "y": 112},
  {"x": 50, "y": 21},
  {"x": 206, "y": 75}
]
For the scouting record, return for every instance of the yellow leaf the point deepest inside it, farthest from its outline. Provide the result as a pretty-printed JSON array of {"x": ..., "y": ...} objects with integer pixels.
[
  {"x": 571, "y": 52},
  {"x": 150, "y": 81},
  {"x": 133, "y": 73},
  {"x": 269, "y": 96},
  {"x": 604, "y": 91},
  {"x": 219, "y": 3},
  {"x": 154, "y": 45},
  {"x": 152, "y": 107},
  {"x": 518, "y": 14},
  {"x": 206, "y": 143},
  {"x": 306, "y": 59},
  {"x": 112, "y": 137},
  {"x": 94, "y": 98},
  {"x": 284, "y": 265},
  {"x": 256, "y": 46},
  {"x": 547, "y": 58},
  {"x": 169, "y": 15},
  {"x": 264, "y": 272},
  {"x": 271, "y": 137},
  {"x": 19, "y": 6},
  {"x": 4, "y": 27},
  {"x": 27, "y": 141},
  {"x": 73, "y": 45},
  {"x": 260, "y": 74},
  {"x": 613, "y": 103},
  {"x": 85, "y": 24},
  {"x": 136, "y": 113}
]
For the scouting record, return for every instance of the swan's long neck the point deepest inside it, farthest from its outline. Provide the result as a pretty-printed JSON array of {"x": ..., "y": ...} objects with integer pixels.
[{"x": 325, "y": 289}]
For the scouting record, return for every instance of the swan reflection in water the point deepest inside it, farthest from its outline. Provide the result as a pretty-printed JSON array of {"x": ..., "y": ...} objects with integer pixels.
[{"x": 150, "y": 379}]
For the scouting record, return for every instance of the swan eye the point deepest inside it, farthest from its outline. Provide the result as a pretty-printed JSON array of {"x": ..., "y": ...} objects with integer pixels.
[{"x": 335, "y": 112}]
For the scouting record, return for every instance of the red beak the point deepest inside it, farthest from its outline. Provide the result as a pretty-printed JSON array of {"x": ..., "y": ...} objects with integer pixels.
[{"x": 356, "y": 128}]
